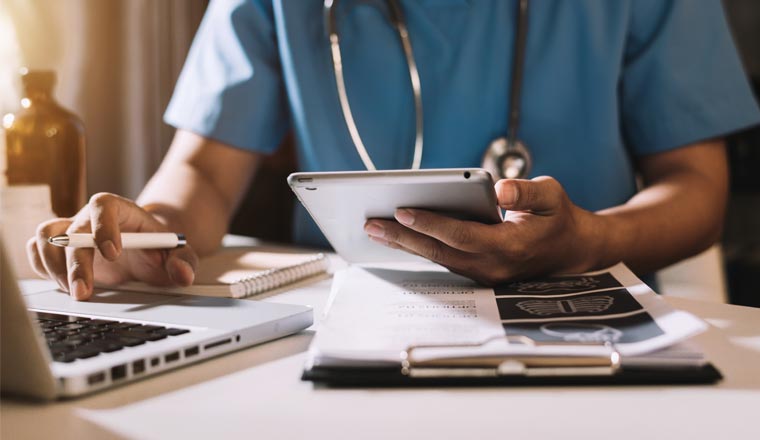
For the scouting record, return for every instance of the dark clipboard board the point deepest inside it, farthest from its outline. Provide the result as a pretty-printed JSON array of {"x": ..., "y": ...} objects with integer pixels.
[
  {"x": 393, "y": 377},
  {"x": 517, "y": 368}
]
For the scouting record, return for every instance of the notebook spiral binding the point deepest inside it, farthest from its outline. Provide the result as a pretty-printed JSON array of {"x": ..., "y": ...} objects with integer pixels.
[{"x": 277, "y": 277}]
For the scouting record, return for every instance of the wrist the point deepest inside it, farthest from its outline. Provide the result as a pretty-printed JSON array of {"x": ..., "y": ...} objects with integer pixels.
[
  {"x": 174, "y": 220},
  {"x": 611, "y": 238},
  {"x": 598, "y": 241}
]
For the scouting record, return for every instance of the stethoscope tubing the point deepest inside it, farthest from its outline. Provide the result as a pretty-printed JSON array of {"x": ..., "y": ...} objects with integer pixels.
[
  {"x": 518, "y": 67},
  {"x": 499, "y": 151},
  {"x": 399, "y": 23}
]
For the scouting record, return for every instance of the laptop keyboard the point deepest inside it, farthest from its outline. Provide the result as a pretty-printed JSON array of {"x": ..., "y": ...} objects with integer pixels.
[{"x": 73, "y": 337}]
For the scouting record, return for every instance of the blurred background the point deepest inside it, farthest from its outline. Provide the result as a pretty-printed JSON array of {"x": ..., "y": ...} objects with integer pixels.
[{"x": 117, "y": 61}]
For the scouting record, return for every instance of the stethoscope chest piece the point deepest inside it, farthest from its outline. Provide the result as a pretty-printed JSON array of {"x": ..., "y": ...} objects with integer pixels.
[{"x": 507, "y": 159}]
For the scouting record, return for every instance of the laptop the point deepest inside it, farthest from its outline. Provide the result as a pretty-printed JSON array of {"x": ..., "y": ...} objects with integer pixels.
[{"x": 52, "y": 346}]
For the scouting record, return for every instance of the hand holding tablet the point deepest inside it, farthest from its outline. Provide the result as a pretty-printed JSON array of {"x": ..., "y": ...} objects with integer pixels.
[{"x": 452, "y": 217}]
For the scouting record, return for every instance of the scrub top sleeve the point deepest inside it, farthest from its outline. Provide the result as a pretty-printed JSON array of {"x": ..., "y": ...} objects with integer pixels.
[
  {"x": 682, "y": 80},
  {"x": 230, "y": 88}
]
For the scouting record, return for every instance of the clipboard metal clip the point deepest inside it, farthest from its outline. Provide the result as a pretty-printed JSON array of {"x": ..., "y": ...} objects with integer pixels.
[{"x": 531, "y": 358}]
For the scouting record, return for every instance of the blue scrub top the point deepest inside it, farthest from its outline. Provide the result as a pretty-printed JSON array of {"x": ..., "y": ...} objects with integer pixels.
[{"x": 605, "y": 82}]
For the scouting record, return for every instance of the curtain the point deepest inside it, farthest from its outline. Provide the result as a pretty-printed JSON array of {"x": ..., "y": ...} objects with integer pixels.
[{"x": 117, "y": 62}]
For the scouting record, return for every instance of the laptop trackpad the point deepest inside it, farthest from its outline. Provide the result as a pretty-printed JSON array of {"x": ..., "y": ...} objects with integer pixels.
[{"x": 105, "y": 303}]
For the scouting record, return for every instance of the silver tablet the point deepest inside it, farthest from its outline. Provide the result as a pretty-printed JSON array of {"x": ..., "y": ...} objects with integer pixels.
[{"x": 341, "y": 202}]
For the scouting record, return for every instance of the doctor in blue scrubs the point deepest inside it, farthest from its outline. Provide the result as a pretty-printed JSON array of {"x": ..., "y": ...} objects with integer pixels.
[{"x": 611, "y": 91}]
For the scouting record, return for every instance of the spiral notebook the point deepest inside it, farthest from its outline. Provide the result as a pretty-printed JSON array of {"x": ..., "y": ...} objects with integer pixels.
[{"x": 243, "y": 272}]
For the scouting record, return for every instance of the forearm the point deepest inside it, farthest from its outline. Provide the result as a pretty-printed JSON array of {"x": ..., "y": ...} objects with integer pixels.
[
  {"x": 194, "y": 208},
  {"x": 678, "y": 214},
  {"x": 198, "y": 188}
]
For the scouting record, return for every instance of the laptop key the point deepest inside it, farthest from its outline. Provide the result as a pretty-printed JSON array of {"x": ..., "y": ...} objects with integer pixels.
[
  {"x": 93, "y": 332},
  {"x": 122, "y": 325},
  {"x": 175, "y": 331},
  {"x": 127, "y": 334},
  {"x": 64, "y": 357},
  {"x": 76, "y": 354},
  {"x": 85, "y": 334},
  {"x": 147, "y": 328},
  {"x": 61, "y": 318},
  {"x": 99, "y": 329},
  {"x": 77, "y": 341},
  {"x": 123, "y": 340},
  {"x": 53, "y": 317},
  {"x": 71, "y": 326},
  {"x": 131, "y": 342},
  {"x": 59, "y": 347},
  {"x": 106, "y": 346},
  {"x": 85, "y": 352},
  {"x": 144, "y": 335},
  {"x": 53, "y": 338},
  {"x": 97, "y": 322}
]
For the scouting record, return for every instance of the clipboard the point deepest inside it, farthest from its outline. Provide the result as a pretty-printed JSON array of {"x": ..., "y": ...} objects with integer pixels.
[
  {"x": 535, "y": 366},
  {"x": 407, "y": 327}
]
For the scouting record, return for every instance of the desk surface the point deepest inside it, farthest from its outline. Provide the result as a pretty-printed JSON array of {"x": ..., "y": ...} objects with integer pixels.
[{"x": 257, "y": 392}]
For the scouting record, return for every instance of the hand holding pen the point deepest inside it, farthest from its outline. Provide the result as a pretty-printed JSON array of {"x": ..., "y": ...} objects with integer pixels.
[{"x": 132, "y": 244}]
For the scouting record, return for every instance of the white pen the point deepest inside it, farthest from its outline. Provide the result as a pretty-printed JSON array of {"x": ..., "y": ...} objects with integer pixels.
[{"x": 129, "y": 240}]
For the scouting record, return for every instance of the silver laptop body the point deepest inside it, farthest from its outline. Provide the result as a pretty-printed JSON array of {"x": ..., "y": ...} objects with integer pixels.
[{"x": 185, "y": 329}]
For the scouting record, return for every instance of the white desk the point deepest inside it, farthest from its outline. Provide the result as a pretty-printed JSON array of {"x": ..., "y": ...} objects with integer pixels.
[{"x": 256, "y": 393}]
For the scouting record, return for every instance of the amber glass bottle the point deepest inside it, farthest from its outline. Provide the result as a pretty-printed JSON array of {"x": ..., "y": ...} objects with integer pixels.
[{"x": 45, "y": 144}]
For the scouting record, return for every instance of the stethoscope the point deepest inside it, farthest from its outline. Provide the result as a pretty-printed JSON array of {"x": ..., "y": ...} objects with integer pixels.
[{"x": 506, "y": 157}]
